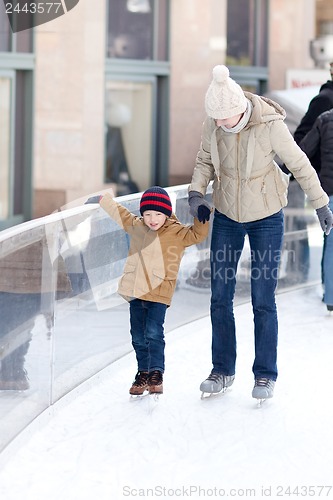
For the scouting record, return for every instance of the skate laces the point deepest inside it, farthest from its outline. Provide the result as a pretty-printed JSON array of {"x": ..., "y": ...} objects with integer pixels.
[
  {"x": 155, "y": 377},
  {"x": 263, "y": 382},
  {"x": 141, "y": 379},
  {"x": 215, "y": 377}
]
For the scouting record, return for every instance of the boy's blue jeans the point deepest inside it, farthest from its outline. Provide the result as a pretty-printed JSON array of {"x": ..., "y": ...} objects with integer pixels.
[
  {"x": 265, "y": 238},
  {"x": 147, "y": 330}
]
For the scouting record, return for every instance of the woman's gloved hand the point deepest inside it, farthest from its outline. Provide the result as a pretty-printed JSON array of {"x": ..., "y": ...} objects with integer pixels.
[
  {"x": 199, "y": 207},
  {"x": 325, "y": 217}
]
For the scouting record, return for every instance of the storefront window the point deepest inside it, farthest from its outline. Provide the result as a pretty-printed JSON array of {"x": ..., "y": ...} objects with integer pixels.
[
  {"x": 247, "y": 35},
  {"x": 128, "y": 135},
  {"x": 137, "y": 29}
]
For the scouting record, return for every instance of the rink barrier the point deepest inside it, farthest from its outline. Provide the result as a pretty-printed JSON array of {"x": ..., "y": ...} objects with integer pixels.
[{"x": 70, "y": 319}]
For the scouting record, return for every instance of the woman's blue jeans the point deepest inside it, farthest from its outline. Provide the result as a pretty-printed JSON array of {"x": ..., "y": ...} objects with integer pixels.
[
  {"x": 265, "y": 238},
  {"x": 328, "y": 264},
  {"x": 147, "y": 330}
]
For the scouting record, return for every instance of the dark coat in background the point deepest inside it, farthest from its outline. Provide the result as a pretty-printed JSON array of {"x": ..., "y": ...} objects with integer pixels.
[
  {"x": 319, "y": 140},
  {"x": 323, "y": 101}
]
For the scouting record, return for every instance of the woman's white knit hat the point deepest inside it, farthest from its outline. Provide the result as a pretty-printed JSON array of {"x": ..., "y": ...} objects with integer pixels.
[{"x": 224, "y": 97}]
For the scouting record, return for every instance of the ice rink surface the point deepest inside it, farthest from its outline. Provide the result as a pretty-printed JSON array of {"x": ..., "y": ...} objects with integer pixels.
[{"x": 99, "y": 444}]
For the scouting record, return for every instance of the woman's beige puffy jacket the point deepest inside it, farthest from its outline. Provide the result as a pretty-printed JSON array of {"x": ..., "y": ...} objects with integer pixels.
[
  {"x": 248, "y": 184},
  {"x": 154, "y": 257}
]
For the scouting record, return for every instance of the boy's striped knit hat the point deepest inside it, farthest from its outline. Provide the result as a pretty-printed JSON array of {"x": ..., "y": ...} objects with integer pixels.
[{"x": 156, "y": 198}]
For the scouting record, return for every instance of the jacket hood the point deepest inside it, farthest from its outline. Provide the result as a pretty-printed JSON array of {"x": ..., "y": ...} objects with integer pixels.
[{"x": 264, "y": 109}]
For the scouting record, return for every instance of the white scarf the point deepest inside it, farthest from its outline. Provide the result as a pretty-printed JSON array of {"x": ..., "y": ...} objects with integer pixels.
[{"x": 242, "y": 122}]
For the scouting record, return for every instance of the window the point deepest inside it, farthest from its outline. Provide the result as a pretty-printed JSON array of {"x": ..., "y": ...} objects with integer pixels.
[
  {"x": 137, "y": 94},
  {"x": 129, "y": 134},
  {"x": 137, "y": 29},
  {"x": 247, "y": 33}
]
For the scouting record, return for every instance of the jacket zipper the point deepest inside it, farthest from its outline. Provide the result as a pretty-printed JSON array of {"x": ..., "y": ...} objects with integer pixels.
[
  {"x": 238, "y": 182},
  {"x": 264, "y": 193}
]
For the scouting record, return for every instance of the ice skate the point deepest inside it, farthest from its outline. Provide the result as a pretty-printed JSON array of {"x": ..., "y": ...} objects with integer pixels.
[
  {"x": 140, "y": 385},
  {"x": 155, "y": 384},
  {"x": 263, "y": 389},
  {"x": 216, "y": 383}
]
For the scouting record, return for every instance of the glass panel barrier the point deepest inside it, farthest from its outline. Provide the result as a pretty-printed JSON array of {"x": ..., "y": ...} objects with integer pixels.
[
  {"x": 26, "y": 306},
  {"x": 62, "y": 320}
]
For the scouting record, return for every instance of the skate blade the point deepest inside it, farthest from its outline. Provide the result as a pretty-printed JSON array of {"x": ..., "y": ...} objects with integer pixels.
[
  {"x": 208, "y": 395},
  {"x": 260, "y": 402},
  {"x": 155, "y": 396},
  {"x": 136, "y": 397}
]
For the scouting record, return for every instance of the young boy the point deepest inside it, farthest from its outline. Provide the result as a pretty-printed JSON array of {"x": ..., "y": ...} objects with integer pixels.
[{"x": 157, "y": 244}]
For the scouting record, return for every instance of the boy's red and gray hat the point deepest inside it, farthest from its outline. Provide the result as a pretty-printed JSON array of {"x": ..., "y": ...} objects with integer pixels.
[{"x": 156, "y": 198}]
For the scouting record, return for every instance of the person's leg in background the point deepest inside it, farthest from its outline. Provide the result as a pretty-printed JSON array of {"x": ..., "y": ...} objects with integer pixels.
[{"x": 328, "y": 266}]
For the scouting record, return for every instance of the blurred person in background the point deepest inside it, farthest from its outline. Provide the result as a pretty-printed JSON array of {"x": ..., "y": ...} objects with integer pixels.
[
  {"x": 323, "y": 101},
  {"x": 320, "y": 140}
]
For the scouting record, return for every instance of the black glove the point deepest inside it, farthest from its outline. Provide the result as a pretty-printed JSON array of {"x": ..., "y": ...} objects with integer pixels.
[
  {"x": 94, "y": 199},
  {"x": 199, "y": 207},
  {"x": 325, "y": 217}
]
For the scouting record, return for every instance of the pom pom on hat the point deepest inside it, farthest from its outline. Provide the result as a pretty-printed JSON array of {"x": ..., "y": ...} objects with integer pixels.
[
  {"x": 156, "y": 198},
  {"x": 220, "y": 73},
  {"x": 224, "y": 97}
]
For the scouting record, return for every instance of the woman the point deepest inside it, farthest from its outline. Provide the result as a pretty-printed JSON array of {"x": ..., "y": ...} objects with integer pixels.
[{"x": 240, "y": 138}]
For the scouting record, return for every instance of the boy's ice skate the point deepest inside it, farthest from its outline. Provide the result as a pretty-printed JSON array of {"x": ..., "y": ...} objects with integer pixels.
[
  {"x": 140, "y": 384},
  {"x": 216, "y": 383},
  {"x": 155, "y": 383},
  {"x": 263, "y": 389}
]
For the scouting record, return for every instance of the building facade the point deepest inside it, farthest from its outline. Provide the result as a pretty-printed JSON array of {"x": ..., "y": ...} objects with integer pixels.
[{"x": 111, "y": 94}]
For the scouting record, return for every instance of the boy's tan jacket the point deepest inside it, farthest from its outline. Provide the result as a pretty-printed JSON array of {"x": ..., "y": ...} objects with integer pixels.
[
  {"x": 248, "y": 184},
  {"x": 154, "y": 257}
]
